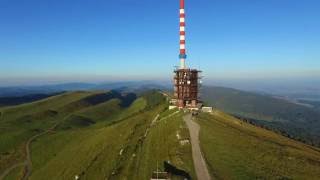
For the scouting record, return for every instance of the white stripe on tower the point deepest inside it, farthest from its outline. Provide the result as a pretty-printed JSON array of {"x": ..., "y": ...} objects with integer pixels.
[{"x": 182, "y": 55}]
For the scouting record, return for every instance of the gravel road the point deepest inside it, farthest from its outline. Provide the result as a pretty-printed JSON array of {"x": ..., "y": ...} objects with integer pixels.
[{"x": 198, "y": 160}]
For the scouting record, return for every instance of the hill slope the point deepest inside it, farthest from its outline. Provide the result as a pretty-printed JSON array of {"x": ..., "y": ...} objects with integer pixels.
[
  {"x": 96, "y": 135},
  {"x": 108, "y": 135},
  {"x": 237, "y": 150},
  {"x": 300, "y": 122}
]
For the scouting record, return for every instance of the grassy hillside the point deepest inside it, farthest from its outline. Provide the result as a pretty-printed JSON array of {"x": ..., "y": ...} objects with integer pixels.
[
  {"x": 237, "y": 150},
  {"x": 300, "y": 122},
  {"x": 19, "y": 123},
  {"x": 96, "y": 135},
  {"x": 108, "y": 135}
]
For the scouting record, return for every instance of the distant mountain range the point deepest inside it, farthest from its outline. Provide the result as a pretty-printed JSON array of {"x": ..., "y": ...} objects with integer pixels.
[
  {"x": 16, "y": 100},
  {"x": 48, "y": 89},
  {"x": 290, "y": 88}
]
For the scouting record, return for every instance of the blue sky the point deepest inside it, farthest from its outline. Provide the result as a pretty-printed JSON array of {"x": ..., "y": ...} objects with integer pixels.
[{"x": 100, "y": 40}]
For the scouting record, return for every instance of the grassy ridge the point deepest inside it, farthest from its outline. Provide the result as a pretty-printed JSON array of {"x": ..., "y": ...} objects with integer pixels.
[
  {"x": 237, "y": 150},
  {"x": 300, "y": 122},
  {"x": 19, "y": 123},
  {"x": 95, "y": 139}
]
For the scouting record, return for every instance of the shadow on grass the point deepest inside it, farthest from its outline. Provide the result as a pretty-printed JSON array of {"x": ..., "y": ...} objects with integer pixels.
[{"x": 175, "y": 171}]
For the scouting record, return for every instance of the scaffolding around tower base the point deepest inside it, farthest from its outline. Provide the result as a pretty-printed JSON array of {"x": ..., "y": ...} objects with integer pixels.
[{"x": 187, "y": 83}]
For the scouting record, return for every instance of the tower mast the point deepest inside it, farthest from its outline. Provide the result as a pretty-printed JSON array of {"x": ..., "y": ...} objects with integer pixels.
[
  {"x": 182, "y": 55},
  {"x": 186, "y": 80}
]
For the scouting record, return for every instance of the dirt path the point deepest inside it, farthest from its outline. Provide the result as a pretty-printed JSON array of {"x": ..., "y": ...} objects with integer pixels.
[
  {"x": 27, "y": 163},
  {"x": 28, "y": 151},
  {"x": 7, "y": 171},
  {"x": 198, "y": 160}
]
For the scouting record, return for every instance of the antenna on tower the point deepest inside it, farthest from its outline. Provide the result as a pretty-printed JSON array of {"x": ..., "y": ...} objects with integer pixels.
[
  {"x": 182, "y": 55},
  {"x": 186, "y": 80}
]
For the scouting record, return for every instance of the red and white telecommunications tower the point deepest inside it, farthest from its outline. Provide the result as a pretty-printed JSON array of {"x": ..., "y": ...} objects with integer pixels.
[
  {"x": 186, "y": 80},
  {"x": 182, "y": 26}
]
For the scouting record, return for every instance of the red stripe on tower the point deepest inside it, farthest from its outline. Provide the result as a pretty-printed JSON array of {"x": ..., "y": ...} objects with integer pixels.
[{"x": 181, "y": 4}]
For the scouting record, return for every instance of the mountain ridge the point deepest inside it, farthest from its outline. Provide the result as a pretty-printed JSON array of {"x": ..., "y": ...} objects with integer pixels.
[{"x": 300, "y": 122}]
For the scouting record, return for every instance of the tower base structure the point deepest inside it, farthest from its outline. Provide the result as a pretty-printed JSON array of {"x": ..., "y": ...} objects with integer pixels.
[{"x": 186, "y": 89}]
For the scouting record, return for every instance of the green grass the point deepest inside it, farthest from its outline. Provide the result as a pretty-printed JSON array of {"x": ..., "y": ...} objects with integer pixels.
[
  {"x": 75, "y": 152},
  {"x": 162, "y": 145},
  {"x": 90, "y": 135},
  {"x": 50, "y": 103},
  {"x": 167, "y": 112},
  {"x": 15, "y": 174},
  {"x": 300, "y": 122},
  {"x": 93, "y": 152},
  {"x": 100, "y": 111},
  {"x": 237, "y": 150},
  {"x": 19, "y": 123}
]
